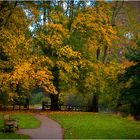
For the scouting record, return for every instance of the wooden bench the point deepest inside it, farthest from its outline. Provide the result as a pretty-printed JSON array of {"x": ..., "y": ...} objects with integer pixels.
[{"x": 10, "y": 124}]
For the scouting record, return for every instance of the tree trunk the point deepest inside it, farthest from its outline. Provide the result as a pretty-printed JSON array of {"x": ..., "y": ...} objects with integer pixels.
[
  {"x": 98, "y": 53},
  {"x": 71, "y": 14},
  {"x": 94, "y": 103},
  {"x": 105, "y": 54},
  {"x": 55, "y": 97},
  {"x": 54, "y": 102},
  {"x": 95, "y": 98},
  {"x": 45, "y": 13}
]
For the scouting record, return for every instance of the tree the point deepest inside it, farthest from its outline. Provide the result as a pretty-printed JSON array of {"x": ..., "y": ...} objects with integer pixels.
[
  {"x": 22, "y": 69},
  {"x": 51, "y": 39},
  {"x": 94, "y": 24},
  {"x": 130, "y": 94}
]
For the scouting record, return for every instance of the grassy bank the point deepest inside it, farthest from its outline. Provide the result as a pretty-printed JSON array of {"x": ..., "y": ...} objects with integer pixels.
[
  {"x": 25, "y": 121},
  {"x": 96, "y": 126}
]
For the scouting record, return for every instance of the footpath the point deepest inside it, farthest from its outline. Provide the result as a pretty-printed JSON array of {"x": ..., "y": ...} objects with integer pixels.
[{"x": 49, "y": 129}]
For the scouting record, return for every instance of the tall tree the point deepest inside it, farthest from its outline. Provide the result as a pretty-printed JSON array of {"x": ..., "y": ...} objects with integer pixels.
[
  {"x": 52, "y": 40},
  {"x": 21, "y": 68},
  {"x": 94, "y": 25},
  {"x": 130, "y": 94}
]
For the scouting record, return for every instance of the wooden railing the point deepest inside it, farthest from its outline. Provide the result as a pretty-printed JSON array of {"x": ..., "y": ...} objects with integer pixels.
[{"x": 45, "y": 106}]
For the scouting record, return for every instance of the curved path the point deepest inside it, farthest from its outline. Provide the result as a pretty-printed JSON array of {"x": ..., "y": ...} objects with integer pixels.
[{"x": 48, "y": 129}]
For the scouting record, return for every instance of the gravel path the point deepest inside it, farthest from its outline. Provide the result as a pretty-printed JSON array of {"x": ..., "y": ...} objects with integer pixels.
[{"x": 48, "y": 129}]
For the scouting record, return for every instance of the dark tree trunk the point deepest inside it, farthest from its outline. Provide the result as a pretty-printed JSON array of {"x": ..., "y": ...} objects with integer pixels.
[
  {"x": 98, "y": 54},
  {"x": 45, "y": 13},
  {"x": 71, "y": 14},
  {"x": 55, "y": 97},
  {"x": 48, "y": 10},
  {"x": 105, "y": 54},
  {"x": 94, "y": 103},
  {"x": 95, "y": 98},
  {"x": 54, "y": 102}
]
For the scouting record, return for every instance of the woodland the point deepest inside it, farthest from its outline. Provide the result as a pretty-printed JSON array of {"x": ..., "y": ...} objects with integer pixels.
[{"x": 85, "y": 48}]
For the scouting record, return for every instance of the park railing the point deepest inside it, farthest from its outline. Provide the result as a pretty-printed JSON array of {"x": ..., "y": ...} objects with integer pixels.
[
  {"x": 46, "y": 106},
  {"x": 13, "y": 107}
]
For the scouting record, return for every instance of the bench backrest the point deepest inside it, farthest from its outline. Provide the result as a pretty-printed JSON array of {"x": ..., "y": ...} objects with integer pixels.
[{"x": 6, "y": 117}]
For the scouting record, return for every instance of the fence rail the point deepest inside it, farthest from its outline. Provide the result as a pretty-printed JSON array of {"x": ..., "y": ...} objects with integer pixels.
[{"x": 45, "y": 106}]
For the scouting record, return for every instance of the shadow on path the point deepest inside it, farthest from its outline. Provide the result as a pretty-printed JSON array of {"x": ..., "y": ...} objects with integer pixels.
[{"x": 49, "y": 129}]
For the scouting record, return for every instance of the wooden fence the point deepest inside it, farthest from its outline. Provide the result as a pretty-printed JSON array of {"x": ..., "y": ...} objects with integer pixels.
[
  {"x": 47, "y": 106},
  {"x": 13, "y": 107}
]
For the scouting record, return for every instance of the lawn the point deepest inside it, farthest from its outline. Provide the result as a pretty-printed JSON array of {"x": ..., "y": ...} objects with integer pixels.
[
  {"x": 96, "y": 126},
  {"x": 25, "y": 121}
]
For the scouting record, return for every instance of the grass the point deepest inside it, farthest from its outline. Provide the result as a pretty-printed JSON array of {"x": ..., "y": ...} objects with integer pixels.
[
  {"x": 97, "y": 126},
  {"x": 25, "y": 121}
]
